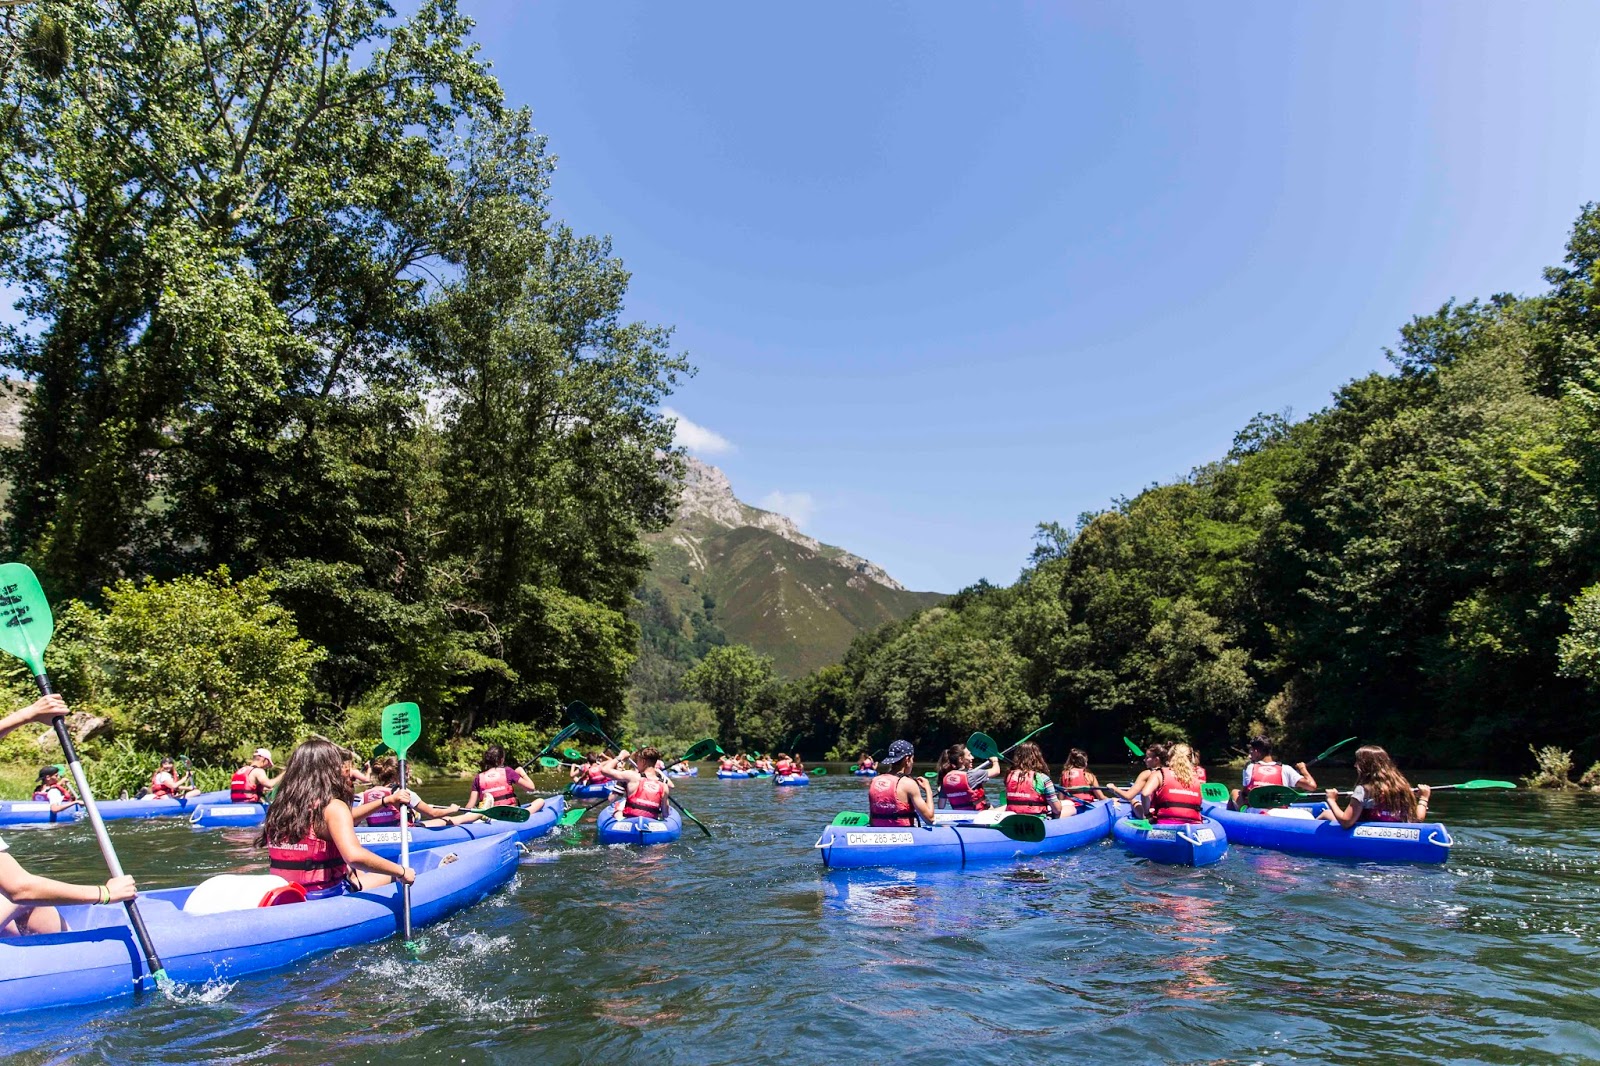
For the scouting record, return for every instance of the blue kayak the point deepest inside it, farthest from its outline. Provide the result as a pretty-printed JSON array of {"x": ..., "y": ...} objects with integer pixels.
[
  {"x": 736, "y": 774},
  {"x": 864, "y": 773},
  {"x": 222, "y": 815},
  {"x": 792, "y": 779},
  {"x": 37, "y": 812},
  {"x": 693, "y": 771},
  {"x": 592, "y": 792},
  {"x": 1199, "y": 844},
  {"x": 616, "y": 830},
  {"x": 385, "y": 840},
  {"x": 99, "y": 958},
  {"x": 956, "y": 843},
  {"x": 1299, "y": 831}
]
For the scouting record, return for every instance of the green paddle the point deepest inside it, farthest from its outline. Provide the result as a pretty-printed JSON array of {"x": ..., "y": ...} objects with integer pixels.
[
  {"x": 1138, "y": 752},
  {"x": 1330, "y": 751},
  {"x": 502, "y": 813},
  {"x": 852, "y": 818},
  {"x": 1215, "y": 791},
  {"x": 1264, "y": 796},
  {"x": 818, "y": 771},
  {"x": 402, "y": 725},
  {"x": 574, "y": 816},
  {"x": 550, "y": 762},
  {"x": 1025, "y": 828},
  {"x": 28, "y": 627},
  {"x": 703, "y": 749}
]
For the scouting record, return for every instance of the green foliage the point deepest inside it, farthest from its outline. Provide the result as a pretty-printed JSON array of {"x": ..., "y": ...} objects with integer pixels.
[
  {"x": 1579, "y": 648},
  {"x": 734, "y": 681},
  {"x": 520, "y": 742},
  {"x": 672, "y": 727},
  {"x": 1553, "y": 768}
]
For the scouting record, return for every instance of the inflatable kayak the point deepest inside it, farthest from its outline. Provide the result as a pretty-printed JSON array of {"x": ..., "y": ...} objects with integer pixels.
[
  {"x": 99, "y": 958},
  {"x": 956, "y": 842},
  {"x": 1299, "y": 831},
  {"x": 792, "y": 779},
  {"x": 615, "y": 830},
  {"x": 1199, "y": 844},
  {"x": 37, "y": 812},
  {"x": 592, "y": 792},
  {"x": 222, "y": 815},
  {"x": 385, "y": 840},
  {"x": 736, "y": 774},
  {"x": 693, "y": 771},
  {"x": 864, "y": 773}
]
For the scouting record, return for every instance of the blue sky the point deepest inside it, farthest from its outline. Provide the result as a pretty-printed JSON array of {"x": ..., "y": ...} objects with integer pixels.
[{"x": 949, "y": 270}]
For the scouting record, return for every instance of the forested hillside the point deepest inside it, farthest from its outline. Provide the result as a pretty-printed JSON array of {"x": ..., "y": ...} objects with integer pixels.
[{"x": 1416, "y": 564}]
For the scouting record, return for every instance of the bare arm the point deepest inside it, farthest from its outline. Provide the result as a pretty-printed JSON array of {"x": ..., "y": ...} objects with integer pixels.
[
  {"x": 342, "y": 832},
  {"x": 19, "y": 886},
  {"x": 921, "y": 797},
  {"x": 43, "y": 709},
  {"x": 1344, "y": 816}
]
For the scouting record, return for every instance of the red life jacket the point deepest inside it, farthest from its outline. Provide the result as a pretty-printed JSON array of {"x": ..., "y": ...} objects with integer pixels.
[
  {"x": 884, "y": 802},
  {"x": 383, "y": 815},
  {"x": 785, "y": 767},
  {"x": 158, "y": 788},
  {"x": 727, "y": 766},
  {"x": 1173, "y": 801},
  {"x": 647, "y": 798},
  {"x": 313, "y": 863},
  {"x": 959, "y": 793},
  {"x": 866, "y": 764},
  {"x": 496, "y": 784},
  {"x": 1022, "y": 796},
  {"x": 1075, "y": 779},
  {"x": 597, "y": 777},
  {"x": 240, "y": 790},
  {"x": 1200, "y": 772},
  {"x": 1266, "y": 773}
]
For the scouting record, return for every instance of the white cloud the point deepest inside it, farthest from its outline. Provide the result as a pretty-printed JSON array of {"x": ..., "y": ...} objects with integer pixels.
[
  {"x": 697, "y": 438},
  {"x": 800, "y": 506}
]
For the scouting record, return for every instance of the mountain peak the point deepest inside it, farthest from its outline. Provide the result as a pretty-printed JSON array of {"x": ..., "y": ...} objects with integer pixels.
[{"x": 707, "y": 500}]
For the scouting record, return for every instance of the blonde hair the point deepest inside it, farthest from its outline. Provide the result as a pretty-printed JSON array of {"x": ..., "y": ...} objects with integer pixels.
[{"x": 1180, "y": 760}]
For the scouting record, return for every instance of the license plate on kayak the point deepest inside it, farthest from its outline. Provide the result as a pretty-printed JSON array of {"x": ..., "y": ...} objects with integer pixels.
[
  {"x": 879, "y": 838},
  {"x": 1386, "y": 832},
  {"x": 392, "y": 837},
  {"x": 1160, "y": 834},
  {"x": 1204, "y": 836}
]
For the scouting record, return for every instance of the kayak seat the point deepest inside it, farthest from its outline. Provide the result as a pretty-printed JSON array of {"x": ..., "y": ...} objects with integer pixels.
[{"x": 239, "y": 892}]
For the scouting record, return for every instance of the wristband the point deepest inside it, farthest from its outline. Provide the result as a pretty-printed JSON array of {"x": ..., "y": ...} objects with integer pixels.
[{"x": 105, "y": 895}]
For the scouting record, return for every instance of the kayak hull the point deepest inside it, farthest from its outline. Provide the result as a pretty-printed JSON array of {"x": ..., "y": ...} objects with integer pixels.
[
  {"x": 865, "y": 773},
  {"x": 734, "y": 775},
  {"x": 791, "y": 780},
  {"x": 100, "y": 959},
  {"x": 693, "y": 771},
  {"x": 612, "y": 829},
  {"x": 385, "y": 840},
  {"x": 37, "y": 812},
  {"x": 592, "y": 792},
  {"x": 1419, "y": 842},
  {"x": 1200, "y": 844},
  {"x": 222, "y": 815},
  {"x": 955, "y": 843}
]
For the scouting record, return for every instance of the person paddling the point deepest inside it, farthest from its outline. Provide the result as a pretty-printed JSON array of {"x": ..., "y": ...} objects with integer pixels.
[
  {"x": 165, "y": 783},
  {"x": 251, "y": 783},
  {"x": 866, "y": 763},
  {"x": 379, "y": 806},
  {"x": 588, "y": 771},
  {"x": 27, "y": 901},
  {"x": 1152, "y": 757},
  {"x": 1171, "y": 795},
  {"x": 961, "y": 780},
  {"x": 895, "y": 797},
  {"x": 786, "y": 766},
  {"x": 1029, "y": 789},
  {"x": 1382, "y": 793},
  {"x": 310, "y": 833},
  {"x": 1076, "y": 780},
  {"x": 646, "y": 788},
  {"x": 497, "y": 783},
  {"x": 54, "y": 791},
  {"x": 1263, "y": 769}
]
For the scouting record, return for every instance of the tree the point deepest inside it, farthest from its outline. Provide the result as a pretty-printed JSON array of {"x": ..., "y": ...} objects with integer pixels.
[{"x": 732, "y": 679}]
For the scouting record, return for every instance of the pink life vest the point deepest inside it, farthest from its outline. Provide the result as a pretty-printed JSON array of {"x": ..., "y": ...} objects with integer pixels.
[
  {"x": 597, "y": 777},
  {"x": 160, "y": 789},
  {"x": 1075, "y": 779},
  {"x": 383, "y": 815},
  {"x": 647, "y": 798},
  {"x": 885, "y": 803},
  {"x": 495, "y": 784},
  {"x": 313, "y": 864},
  {"x": 960, "y": 794},
  {"x": 1266, "y": 773},
  {"x": 240, "y": 790},
  {"x": 1022, "y": 795},
  {"x": 1173, "y": 801}
]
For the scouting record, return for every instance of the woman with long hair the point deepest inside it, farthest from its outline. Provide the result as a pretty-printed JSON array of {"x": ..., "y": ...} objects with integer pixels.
[
  {"x": 1382, "y": 793},
  {"x": 895, "y": 797},
  {"x": 497, "y": 783},
  {"x": 379, "y": 806},
  {"x": 647, "y": 791},
  {"x": 1029, "y": 789},
  {"x": 1153, "y": 758},
  {"x": 1076, "y": 780},
  {"x": 310, "y": 834},
  {"x": 961, "y": 780},
  {"x": 1171, "y": 795}
]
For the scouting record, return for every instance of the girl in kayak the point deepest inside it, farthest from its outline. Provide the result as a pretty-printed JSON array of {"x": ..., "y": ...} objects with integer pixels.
[
  {"x": 310, "y": 834},
  {"x": 1029, "y": 789},
  {"x": 1153, "y": 756},
  {"x": 1171, "y": 795},
  {"x": 165, "y": 783},
  {"x": 380, "y": 804},
  {"x": 961, "y": 781},
  {"x": 786, "y": 766},
  {"x": 647, "y": 788},
  {"x": 250, "y": 782},
  {"x": 895, "y": 797},
  {"x": 54, "y": 791},
  {"x": 1076, "y": 780},
  {"x": 866, "y": 763},
  {"x": 1263, "y": 769},
  {"x": 496, "y": 782},
  {"x": 26, "y": 899},
  {"x": 1382, "y": 793}
]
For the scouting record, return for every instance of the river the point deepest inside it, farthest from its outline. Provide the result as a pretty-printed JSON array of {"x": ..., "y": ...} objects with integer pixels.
[{"x": 742, "y": 948}]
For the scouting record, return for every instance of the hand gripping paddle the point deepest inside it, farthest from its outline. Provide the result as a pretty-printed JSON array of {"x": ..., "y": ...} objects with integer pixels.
[
  {"x": 26, "y": 626},
  {"x": 402, "y": 726}
]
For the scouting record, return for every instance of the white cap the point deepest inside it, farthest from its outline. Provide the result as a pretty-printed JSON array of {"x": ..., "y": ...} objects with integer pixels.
[{"x": 263, "y": 753}]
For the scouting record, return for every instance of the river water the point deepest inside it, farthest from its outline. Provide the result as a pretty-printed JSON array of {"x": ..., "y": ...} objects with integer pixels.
[{"x": 743, "y": 948}]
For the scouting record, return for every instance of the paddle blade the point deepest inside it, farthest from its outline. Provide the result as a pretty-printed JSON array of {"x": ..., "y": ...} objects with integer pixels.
[
  {"x": 574, "y": 816},
  {"x": 402, "y": 726},
  {"x": 571, "y": 753},
  {"x": 1138, "y": 752},
  {"x": 1336, "y": 747},
  {"x": 506, "y": 813},
  {"x": 1027, "y": 828},
  {"x": 983, "y": 747},
  {"x": 1215, "y": 791},
  {"x": 26, "y": 624},
  {"x": 1481, "y": 784},
  {"x": 549, "y": 762},
  {"x": 853, "y": 819},
  {"x": 1265, "y": 796},
  {"x": 702, "y": 750},
  {"x": 818, "y": 771},
  {"x": 1140, "y": 823},
  {"x": 379, "y": 748}
]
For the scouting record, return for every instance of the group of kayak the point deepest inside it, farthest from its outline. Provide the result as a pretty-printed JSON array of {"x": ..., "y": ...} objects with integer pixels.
[{"x": 1167, "y": 814}]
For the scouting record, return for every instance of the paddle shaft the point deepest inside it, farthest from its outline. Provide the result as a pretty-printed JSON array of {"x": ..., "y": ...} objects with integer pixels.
[
  {"x": 405, "y": 860},
  {"x": 109, "y": 853},
  {"x": 1025, "y": 739}
]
